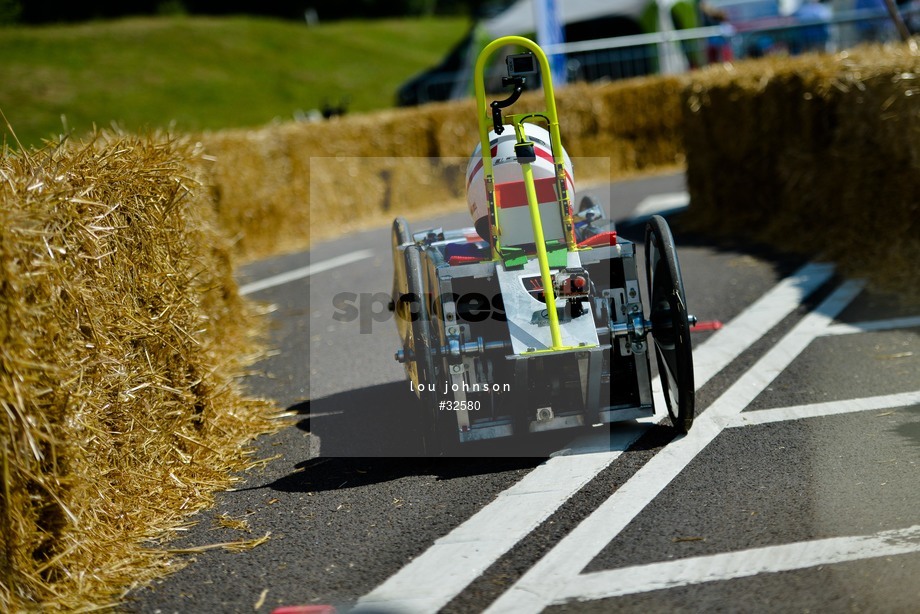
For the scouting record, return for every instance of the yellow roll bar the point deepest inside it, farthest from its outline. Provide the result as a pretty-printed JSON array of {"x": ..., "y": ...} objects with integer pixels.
[{"x": 485, "y": 122}]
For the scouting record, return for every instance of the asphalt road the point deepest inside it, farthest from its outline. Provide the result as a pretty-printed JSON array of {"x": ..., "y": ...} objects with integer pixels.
[{"x": 796, "y": 491}]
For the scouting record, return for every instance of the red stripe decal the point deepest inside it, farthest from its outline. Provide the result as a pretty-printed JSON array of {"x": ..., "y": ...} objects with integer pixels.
[
  {"x": 478, "y": 166},
  {"x": 513, "y": 194},
  {"x": 540, "y": 151}
]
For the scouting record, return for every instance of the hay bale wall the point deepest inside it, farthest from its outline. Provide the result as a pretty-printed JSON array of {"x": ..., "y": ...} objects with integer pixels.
[
  {"x": 120, "y": 334},
  {"x": 816, "y": 154},
  {"x": 368, "y": 168}
]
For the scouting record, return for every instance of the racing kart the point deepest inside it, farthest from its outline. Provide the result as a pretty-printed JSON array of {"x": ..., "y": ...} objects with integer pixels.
[{"x": 533, "y": 320}]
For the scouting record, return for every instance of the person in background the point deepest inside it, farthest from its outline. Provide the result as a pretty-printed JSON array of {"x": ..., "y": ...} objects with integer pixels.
[
  {"x": 815, "y": 35},
  {"x": 877, "y": 29},
  {"x": 718, "y": 49}
]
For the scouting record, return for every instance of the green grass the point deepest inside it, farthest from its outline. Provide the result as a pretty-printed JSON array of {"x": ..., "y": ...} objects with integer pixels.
[{"x": 203, "y": 73}]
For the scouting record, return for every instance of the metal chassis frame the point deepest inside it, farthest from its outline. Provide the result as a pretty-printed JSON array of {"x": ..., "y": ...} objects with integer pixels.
[{"x": 628, "y": 330}]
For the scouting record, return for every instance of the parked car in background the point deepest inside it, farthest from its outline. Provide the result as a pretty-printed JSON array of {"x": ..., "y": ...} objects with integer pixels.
[
  {"x": 616, "y": 39},
  {"x": 582, "y": 20}
]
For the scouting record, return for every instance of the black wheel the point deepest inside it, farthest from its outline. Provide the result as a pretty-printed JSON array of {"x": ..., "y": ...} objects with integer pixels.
[
  {"x": 670, "y": 325},
  {"x": 423, "y": 342}
]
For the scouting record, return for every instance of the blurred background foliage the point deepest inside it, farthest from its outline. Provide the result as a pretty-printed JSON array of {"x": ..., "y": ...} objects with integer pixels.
[{"x": 58, "y": 11}]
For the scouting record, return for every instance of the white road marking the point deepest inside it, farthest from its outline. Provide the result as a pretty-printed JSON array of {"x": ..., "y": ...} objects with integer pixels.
[
  {"x": 817, "y": 410},
  {"x": 733, "y": 338},
  {"x": 312, "y": 269},
  {"x": 549, "y": 577},
  {"x": 657, "y": 204},
  {"x": 741, "y": 564},
  {"x": 873, "y": 326},
  {"x": 438, "y": 575},
  {"x": 748, "y": 326},
  {"x": 431, "y": 580}
]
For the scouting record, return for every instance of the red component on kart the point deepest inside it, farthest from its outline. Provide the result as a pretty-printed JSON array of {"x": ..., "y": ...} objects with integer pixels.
[
  {"x": 571, "y": 283},
  {"x": 455, "y": 260},
  {"x": 604, "y": 238},
  {"x": 706, "y": 326}
]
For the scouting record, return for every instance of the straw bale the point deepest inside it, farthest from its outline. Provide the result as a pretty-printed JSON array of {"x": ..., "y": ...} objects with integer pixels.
[
  {"x": 816, "y": 154},
  {"x": 257, "y": 185},
  {"x": 121, "y": 332},
  {"x": 277, "y": 186},
  {"x": 775, "y": 146},
  {"x": 455, "y": 129}
]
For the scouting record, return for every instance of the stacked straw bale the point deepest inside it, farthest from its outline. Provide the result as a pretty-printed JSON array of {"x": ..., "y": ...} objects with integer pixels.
[
  {"x": 816, "y": 154},
  {"x": 121, "y": 332},
  {"x": 277, "y": 186}
]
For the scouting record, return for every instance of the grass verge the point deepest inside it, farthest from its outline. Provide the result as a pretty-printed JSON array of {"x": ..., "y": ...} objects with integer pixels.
[{"x": 197, "y": 73}]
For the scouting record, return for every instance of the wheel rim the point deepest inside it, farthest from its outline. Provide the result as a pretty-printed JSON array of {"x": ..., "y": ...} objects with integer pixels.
[
  {"x": 420, "y": 342},
  {"x": 670, "y": 324},
  {"x": 399, "y": 236}
]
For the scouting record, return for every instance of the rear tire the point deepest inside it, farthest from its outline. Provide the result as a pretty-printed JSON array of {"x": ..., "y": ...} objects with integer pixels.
[
  {"x": 423, "y": 345},
  {"x": 670, "y": 323}
]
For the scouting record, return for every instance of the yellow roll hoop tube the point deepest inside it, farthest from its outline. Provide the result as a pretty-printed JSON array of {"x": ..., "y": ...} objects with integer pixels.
[{"x": 485, "y": 120}]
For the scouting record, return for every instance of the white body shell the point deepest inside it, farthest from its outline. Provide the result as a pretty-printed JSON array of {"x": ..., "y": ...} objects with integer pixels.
[{"x": 505, "y": 169}]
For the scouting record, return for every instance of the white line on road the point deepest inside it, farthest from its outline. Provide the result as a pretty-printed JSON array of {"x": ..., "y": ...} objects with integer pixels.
[
  {"x": 430, "y": 581},
  {"x": 549, "y": 577},
  {"x": 311, "y": 269},
  {"x": 873, "y": 326},
  {"x": 657, "y": 204},
  {"x": 438, "y": 575},
  {"x": 752, "y": 323},
  {"x": 742, "y": 564},
  {"x": 817, "y": 410}
]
